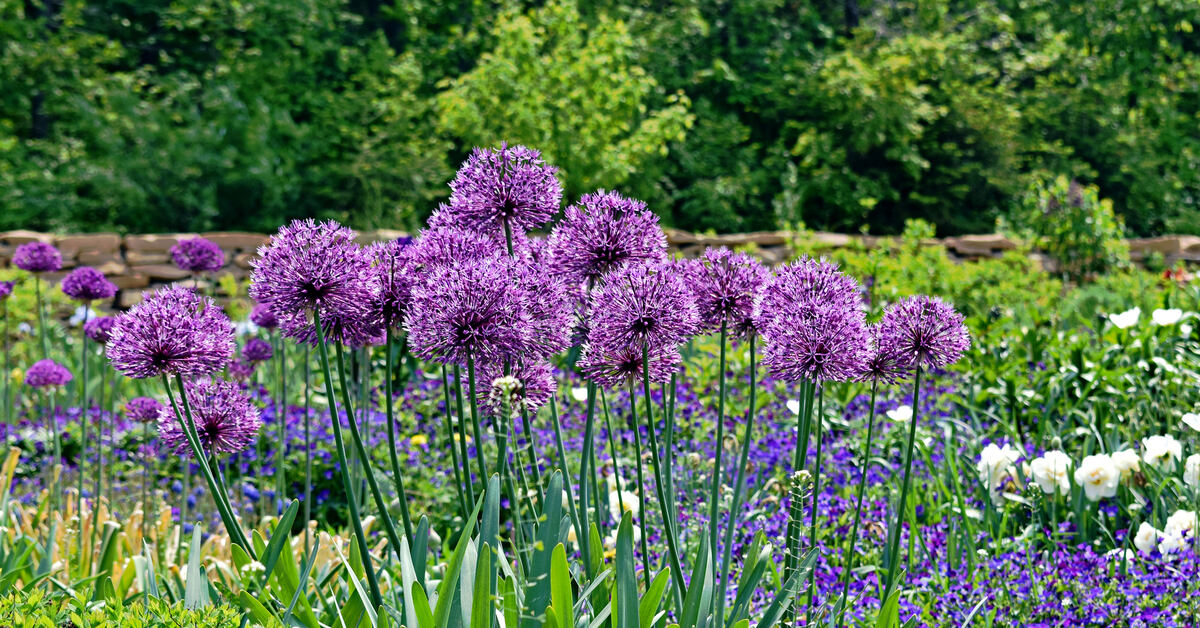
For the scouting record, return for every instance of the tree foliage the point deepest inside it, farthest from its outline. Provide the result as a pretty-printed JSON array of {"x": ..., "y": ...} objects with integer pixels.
[{"x": 722, "y": 114}]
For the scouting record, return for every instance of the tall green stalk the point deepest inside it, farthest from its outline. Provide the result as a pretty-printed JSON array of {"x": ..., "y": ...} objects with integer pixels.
[
  {"x": 894, "y": 532},
  {"x": 391, "y": 436},
  {"x": 83, "y": 428},
  {"x": 738, "y": 486},
  {"x": 643, "y": 512},
  {"x": 587, "y": 476},
  {"x": 475, "y": 425},
  {"x": 714, "y": 495},
  {"x": 462, "y": 436},
  {"x": 461, "y": 486},
  {"x": 812, "y": 535},
  {"x": 37, "y": 294},
  {"x": 340, "y": 450},
  {"x": 307, "y": 444},
  {"x": 799, "y": 461},
  {"x": 858, "y": 507},
  {"x": 280, "y": 421},
  {"x": 659, "y": 481},
  {"x": 8, "y": 419},
  {"x": 562, "y": 458}
]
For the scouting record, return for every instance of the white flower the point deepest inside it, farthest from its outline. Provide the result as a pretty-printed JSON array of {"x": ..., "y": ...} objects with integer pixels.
[
  {"x": 1159, "y": 450},
  {"x": 1126, "y": 319},
  {"x": 610, "y": 540},
  {"x": 997, "y": 467},
  {"x": 579, "y": 393},
  {"x": 1121, "y": 554},
  {"x": 1098, "y": 476},
  {"x": 80, "y": 312},
  {"x": 628, "y": 499},
  {"x": 1192, "y": 420},
  {"x": 793, "y": 405},
  {"x": 1169, "y": 544},
  {"x": 1128, "y": 462},
  {"x": 902, "y": 414},
  {"x": 1191, "y": 471},
  {"x": 1146, "y": 538},
  {"x": 1052, "y": 472},
  {"x": 1181, "y": 522},
  {"x": 1166, "y": 317}
]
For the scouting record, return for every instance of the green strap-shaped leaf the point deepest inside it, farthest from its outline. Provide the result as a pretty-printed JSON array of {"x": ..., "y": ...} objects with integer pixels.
[
  {"x": 195, "y": 596},
  {"x": 561, "y": 599},
  {"x": 481, "y": 605},
  {"x": 625, "y": 597}
]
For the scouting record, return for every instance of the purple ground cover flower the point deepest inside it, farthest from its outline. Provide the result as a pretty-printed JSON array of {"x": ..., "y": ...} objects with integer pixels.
[
  {"x": 602, "y": 232},
  {"x": 99, "y": 329},
  {"x": 88, "y": 284},
  {"x": 257, "y": 350},
  {"x": 263, "y": 317},
  {"x": 46, "y": 373},
  {"x": 318, "y": 268},
  {"x": 510, "y": 186},
  {"x": 143, "y": 409},
  {"x": 726, "y": 286},
  {"x": 928, "y": 330},
  {"x": 226, "y": 421},
  {"x": 37, "y": 257},
  {"x": 198, "y": 255},
  {"x": 173, "y": 331},
  {"x": 6, "y": 289},
  {"x": 642, "y": 304}
]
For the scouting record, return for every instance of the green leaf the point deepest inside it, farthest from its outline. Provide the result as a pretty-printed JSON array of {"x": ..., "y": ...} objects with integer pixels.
[
  {"x": 538, "y": 595},
  {"x": 625, "y": 597},
  {"x": 196, "y": 594},
  {"x": 651, "y": 600},
  {"x": 560, "y": 589},
  {"x": 450, "y": 579},
  {"x": 889, "y": 613},
  {"x": 420, "y": 603},
  {"x": 481, "y": 606},
  {"x": 280, "y": 538},
  {"x": 256, "y": 610},
  {"x": 699, "y": 594}
]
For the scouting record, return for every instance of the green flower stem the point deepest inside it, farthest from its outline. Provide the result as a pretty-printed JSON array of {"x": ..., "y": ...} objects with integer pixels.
[
  {"x": 83, "y": 429},
  {"x": 585, "y": 475},
  {"x": 475, "y": 426},
  {"x": 562, "y": 459},
  {"x": 281, "y": 406},
  {"x": 307, "y": 445},
  {"x": 451, "y": 432},
  {"x": 799, "y": 460},
  {"x": 642, "y": 512},
  {"x": 894, "y": 533},
  {"x": 189, "y": 431},
  {"x": 48, "y": 401},
  {"x": 812, "y": 535},
  {"x": 714, "y": 495},
  {"x": 858, "y": 508},
  {"x": 738, "y": 485},
  {"x": 8, "y": 420},
  {"x": 391, "y": 436},
  {"x": 462, "y": 437},
  {"x": 659, "y": 482},
  {"x": 614, "y": 452},
  {"x": 356, "y": 439},
  {"x": 347, "y": 481},
  {"x": 527, "y": 428},
  {"x": 37, "y": 294}
]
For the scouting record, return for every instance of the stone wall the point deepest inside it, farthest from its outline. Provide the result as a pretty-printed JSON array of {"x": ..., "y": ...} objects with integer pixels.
[{"x": 141, "y": 262}]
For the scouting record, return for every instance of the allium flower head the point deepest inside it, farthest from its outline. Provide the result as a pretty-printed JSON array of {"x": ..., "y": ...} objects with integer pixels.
[
  {"x": 527, "y": 386},
  {"x": 6, "y": 289},
  {"x": 37, "y": 257},
  {"x": 511, "y": 185},
  {"x": 88, "y": 284},
  {"x": 143, "y": 409},
  {"x": 602, "y": 232},
  {"x": 642, "y": 304},
  {"x": 821, "y": 344},
  {"x": 726, "y": 286},
  {"x": 886, "y": 361},
  {"x": 397, "y": 278},
  {"x": 614, "y": 367},
  {"x": 226, "y": 420},
  {"x": 47, "y": 373},
  {"x": 173, "y": 331},
  {"x": 263, "y": 317},
  {"x": 257, "y": 350},
  {"x": 929, "y": 331},
  {"x": 549, "y": 308},
  {"x": 446, "y": 245},
  {"x": 470, "y": 309},
  {"x": 99, "y": 329},
  {"x": 318, "y": 268},
  {"x": 197, "y": 255},
  {"x": 806, "y": 285},
  {"x": 241, "y": 370}
]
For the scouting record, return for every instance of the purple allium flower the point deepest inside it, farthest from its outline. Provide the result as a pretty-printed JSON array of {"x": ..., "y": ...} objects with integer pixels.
[
  {"x": 263, "y": 317},
  {"x": 197, "y": 255},
  {"x": 226, "y": 420},
  {"x": 46, "y": 373},
  {"x": 820, "y": 344},
  {"x": 310, "y": 267},
  {"x": 726, "y": 286},
  {"x": 143, "y": 409},
  {"x": 242, "y": 370},
  {"x": 448, "y": 245},
  {"x": 614, "y": 367},
  {"x": 37, "y": 257},
  {"x": 530, "y": 388},
  {"x": 510, "y": 186},
  {"x": 473, "y": 308},
  {"x": 397, "y": 278},
  {"x": 548, "y": 305},
  {"x": 602, "y": 232},
  {"x": 886, "y": 362},
  {"x": 641, "y": 303},
  {"x": 173, "y": 331},
  {"x": 88, "y": 284},
  {"x": 928, "y": 330},
  {"x": 803, "y": 286},
  {"x": 257, "y": 350},
  {"x": 6, "y": 289},
  {"x": 99, "y": 329}
]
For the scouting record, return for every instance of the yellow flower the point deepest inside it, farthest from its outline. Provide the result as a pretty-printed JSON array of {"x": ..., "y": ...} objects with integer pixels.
[
  {"x": 458, "y": 437},
  {"x": 17, "y": 376},
  {"x": 419, "y": 440}
]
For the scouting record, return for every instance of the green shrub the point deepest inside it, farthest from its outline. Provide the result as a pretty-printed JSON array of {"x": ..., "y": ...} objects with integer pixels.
[{"x": 23, "y": 609}]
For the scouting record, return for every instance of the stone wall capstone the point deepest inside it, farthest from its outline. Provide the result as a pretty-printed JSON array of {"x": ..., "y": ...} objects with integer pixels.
[{"x": 143, "y": 262}]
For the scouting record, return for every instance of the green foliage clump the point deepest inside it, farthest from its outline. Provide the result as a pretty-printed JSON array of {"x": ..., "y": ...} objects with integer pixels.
[{"x": 37, "y": 609}]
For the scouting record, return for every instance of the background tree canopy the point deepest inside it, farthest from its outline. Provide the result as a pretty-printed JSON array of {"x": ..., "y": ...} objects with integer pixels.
[{"x": 157, "y": 115}]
